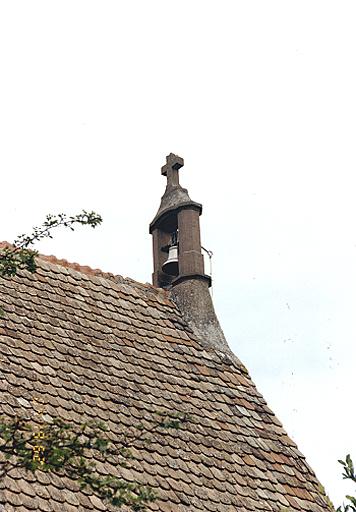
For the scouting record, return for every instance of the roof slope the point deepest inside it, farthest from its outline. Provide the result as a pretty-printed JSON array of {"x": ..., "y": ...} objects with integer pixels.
[{"x": 96, "y": 346}]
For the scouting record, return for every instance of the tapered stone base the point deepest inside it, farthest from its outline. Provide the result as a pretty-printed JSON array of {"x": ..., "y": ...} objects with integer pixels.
[{"x": 193, "y": 298}]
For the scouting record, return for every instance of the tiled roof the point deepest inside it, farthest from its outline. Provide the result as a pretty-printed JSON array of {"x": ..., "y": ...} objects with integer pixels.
[{"x": 96, "y": 346}]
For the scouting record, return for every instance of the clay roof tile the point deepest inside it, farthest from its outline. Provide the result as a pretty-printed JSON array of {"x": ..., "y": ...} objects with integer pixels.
[{"x": 93, "y": 345}]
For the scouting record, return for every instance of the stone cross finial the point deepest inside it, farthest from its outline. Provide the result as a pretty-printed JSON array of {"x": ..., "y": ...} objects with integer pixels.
[{"x": 171, "y": 168}]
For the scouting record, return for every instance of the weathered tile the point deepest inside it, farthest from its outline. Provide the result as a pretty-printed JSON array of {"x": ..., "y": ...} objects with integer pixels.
[{"x": 98, "y": 346}]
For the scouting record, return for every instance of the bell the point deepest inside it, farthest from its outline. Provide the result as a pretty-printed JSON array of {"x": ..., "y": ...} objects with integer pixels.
[{"x": 170, "y": 267}]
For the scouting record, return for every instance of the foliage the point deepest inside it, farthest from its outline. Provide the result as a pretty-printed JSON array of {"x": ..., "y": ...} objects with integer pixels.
[
  {"x": 20, "y": 257},
  {"x": 71, "y": 450},
  {"x": 348, "y": 474}
]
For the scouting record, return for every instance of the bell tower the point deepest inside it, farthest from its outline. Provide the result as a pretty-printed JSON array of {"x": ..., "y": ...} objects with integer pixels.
[
  {"x": 178, "y": 263},
  {"x": 175, "y": 230}
]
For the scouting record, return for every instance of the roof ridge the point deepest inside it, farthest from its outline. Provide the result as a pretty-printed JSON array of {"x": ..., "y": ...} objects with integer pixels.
[{"x": 86, "y": 269}]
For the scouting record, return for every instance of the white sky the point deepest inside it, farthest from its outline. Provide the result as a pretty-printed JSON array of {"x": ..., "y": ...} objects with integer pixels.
[{"x": 259, "y": 98}]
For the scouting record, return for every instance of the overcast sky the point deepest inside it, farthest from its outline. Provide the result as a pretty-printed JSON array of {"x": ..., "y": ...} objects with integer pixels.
[{"x": 259, "y": 99}]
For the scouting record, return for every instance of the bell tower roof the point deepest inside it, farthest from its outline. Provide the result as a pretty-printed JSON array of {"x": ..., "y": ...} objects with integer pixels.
[{"x": 175, "y": 196}]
